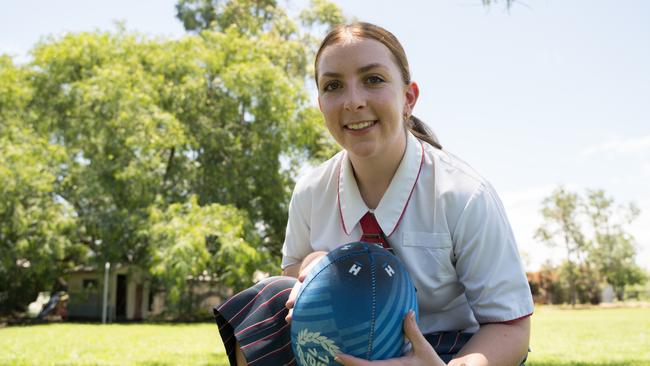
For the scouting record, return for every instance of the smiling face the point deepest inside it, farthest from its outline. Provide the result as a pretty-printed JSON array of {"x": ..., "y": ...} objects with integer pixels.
[{"x": 363, "y": 98}]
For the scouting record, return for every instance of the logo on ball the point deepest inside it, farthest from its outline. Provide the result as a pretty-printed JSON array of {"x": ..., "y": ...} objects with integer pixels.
[{"x": 317, "y": 347}]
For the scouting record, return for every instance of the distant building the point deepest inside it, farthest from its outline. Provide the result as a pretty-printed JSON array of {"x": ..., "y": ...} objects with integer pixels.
[
  {"x": 129, "y": 295},
  {"x": 607, "y": 295}
]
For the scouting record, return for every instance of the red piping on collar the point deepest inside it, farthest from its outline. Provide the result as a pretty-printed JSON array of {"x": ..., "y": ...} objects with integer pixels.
[
  {"x": 338, "y": 195},
  {"x": 412, "y": 189}
]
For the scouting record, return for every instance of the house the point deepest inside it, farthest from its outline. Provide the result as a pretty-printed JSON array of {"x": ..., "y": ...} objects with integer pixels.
[{"x": 129, "y": 295}]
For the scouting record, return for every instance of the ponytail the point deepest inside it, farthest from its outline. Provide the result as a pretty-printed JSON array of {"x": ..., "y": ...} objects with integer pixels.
[{"x": 422, "y": 132}]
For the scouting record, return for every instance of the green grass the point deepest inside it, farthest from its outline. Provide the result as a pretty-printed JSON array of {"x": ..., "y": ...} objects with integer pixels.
[
  {"x": 115, "y": 344},
  {"x": 562, "y": 337},
  {"x": 590, "y": 337}
]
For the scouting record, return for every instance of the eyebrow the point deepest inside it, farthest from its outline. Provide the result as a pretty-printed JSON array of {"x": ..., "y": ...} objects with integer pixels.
[{"x": 361, "y": 70}]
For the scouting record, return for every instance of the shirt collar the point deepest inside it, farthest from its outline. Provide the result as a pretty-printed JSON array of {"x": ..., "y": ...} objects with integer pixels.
[{"x": 393, "y": 204}]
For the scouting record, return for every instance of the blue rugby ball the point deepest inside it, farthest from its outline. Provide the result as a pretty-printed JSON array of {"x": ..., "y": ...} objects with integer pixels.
[{"x": 353, "y": 302}]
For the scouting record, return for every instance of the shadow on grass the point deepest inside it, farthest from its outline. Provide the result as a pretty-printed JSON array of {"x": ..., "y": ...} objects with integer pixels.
[
  {"x": 220, "y": 360},
  {"x": 580, "y": 363}
]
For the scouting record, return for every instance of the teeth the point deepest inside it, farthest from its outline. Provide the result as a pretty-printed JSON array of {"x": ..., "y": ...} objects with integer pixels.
[{"x": 360, "y": 125}]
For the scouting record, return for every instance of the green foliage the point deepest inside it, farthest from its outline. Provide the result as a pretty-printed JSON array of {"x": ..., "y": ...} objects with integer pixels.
[
  {"x": 211, "y": 115},
  {"x": 639, "y": 291},
  {"x": 36, "y": 226},
  {"x": 322, "y": 12},
  {"x": 598, "y": 247},
  {"x": 216, "y": 240},
  {"x": 562, "y": 228},
  {"x": 613, "y": 249},
  {"x": 252, "y": 17},
  {"x": 102, "y": 130},
  {"x": 97, "y": 97},
  {"x": 246, "y": 16},
  {"x": 494, "y": 2}
]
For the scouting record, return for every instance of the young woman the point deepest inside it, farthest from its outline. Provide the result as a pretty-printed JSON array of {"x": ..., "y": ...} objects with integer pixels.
[{"x": 437, "y": 214}]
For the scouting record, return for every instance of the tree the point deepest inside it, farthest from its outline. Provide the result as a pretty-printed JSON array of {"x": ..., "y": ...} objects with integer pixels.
[
  {"x": 118, "y": 125},
  {"x": 99, "y": 97},
  {"x": 494, "y": 2},
  {"x": 561, "y": 228},
  {"x": 593, "y": 233},
  {"x": 252, "y": 17},
  {"x": 37, "y": 241},
  {"x": 613, "y": 251},
  {"x": 274, "y": 71},
  {"x": 101, "y": 129},
  {"x": 191, "y": 240}
]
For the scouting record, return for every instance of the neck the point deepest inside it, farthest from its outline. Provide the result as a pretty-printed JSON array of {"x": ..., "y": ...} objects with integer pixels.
[{"x": 374, "y": 174}]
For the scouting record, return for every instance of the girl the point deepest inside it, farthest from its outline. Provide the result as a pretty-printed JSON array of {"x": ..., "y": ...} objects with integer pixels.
[{"x": 393, "y": 184}]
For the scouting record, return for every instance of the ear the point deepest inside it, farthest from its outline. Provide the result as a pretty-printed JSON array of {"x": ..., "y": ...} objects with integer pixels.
[{"x": 411, "y": 97}]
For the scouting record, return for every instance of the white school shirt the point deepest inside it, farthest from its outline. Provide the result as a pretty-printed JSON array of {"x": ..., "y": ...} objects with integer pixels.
[{"x": 443, "y": 220}]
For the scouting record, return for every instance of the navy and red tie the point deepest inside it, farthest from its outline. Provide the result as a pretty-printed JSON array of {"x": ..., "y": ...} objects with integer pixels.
[{"x": 372, "y": 232}]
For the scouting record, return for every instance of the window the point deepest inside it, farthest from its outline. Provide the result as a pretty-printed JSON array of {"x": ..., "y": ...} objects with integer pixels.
[{"x": 90, "y": 284}]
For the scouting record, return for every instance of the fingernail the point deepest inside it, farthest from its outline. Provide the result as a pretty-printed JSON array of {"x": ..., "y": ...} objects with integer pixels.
[
  {"x": 411, "y": 314},
  {"x": 338, "y": 360}
]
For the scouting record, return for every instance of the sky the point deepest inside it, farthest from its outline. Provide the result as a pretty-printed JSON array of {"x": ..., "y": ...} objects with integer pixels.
[{"x": 545, "y": 94}]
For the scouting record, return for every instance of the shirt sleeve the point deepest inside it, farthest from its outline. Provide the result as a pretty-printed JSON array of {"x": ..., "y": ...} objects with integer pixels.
[
  {"x": 487, "y": 260},
  {"x": 296, "y": 243}
]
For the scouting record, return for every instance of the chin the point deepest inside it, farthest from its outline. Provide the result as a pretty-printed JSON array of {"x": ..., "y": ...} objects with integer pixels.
[{"x": 364, "y": 150}]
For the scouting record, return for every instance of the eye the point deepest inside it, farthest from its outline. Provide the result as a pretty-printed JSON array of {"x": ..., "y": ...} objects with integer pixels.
[
  {"x": 331, "y": 85},
  {"x": 375, "y": 79}
]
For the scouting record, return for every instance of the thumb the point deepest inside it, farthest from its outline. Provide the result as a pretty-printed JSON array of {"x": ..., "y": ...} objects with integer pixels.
[
  {"x": 413, "y": 333},
  {"x": 347, "y": 360}
]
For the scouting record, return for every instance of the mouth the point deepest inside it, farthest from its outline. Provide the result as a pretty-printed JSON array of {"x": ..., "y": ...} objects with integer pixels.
[{"x": 356, "y": 126}]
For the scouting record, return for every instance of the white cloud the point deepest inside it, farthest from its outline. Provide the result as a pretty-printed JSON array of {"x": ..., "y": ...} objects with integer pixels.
[{"x": 627, "y": 147}]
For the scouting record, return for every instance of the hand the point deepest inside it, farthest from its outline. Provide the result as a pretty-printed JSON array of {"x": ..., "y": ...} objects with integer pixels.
[
  {"x": 422, "y": 353},
  {"x": 307, "y": 265}
]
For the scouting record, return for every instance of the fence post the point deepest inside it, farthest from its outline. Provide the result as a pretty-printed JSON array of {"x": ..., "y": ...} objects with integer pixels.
[{"x": 107, "y": 267}]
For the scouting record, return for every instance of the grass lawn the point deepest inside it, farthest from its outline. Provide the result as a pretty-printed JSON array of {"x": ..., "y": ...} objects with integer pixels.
[
  {"x": 590, "y": 337},
  {"x": 115, "y": 344}
]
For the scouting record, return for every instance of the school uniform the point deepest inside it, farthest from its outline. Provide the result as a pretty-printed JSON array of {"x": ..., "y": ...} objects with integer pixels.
[{"x": 442, "y": 219}]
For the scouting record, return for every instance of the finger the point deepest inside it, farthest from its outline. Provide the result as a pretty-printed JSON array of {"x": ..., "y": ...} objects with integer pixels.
[
  {"x": 289, "y": 316},
  {"x": 413, "y": 333},
  {"x": 291, "y": 300},
  {"x": 305, "y": 271},
  {"x": 348, "y": 360}
]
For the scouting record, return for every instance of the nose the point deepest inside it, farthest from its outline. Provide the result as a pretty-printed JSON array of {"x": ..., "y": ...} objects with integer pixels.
[{"x": 354, "y": 99}]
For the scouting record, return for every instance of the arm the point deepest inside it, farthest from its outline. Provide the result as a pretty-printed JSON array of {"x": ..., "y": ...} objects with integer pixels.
[
  {"x": 292, "y": 270},
  {"x": 496, "y": 344},
  {"x": 489, "y": 267},
  {"x": 301, "y": 269},
  {"x": 493, "y": 344}
]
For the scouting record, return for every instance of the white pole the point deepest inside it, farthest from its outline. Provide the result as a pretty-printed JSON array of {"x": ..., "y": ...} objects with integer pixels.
[{"x": 107, "y": 267}]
